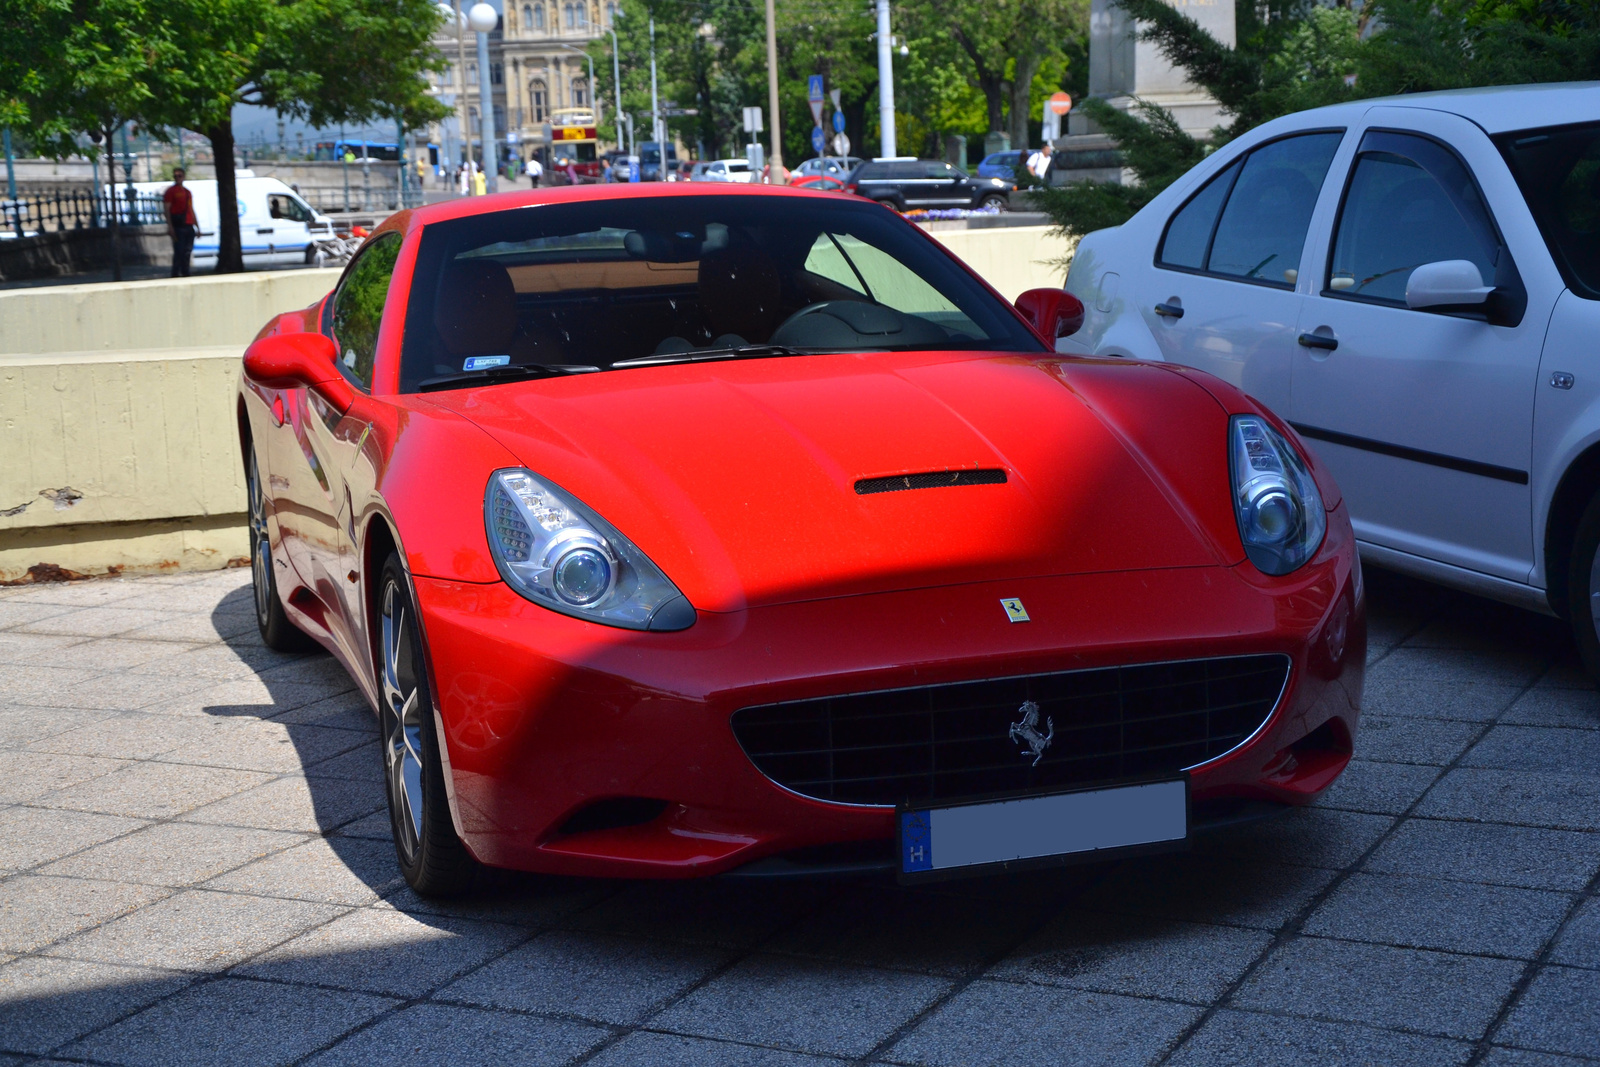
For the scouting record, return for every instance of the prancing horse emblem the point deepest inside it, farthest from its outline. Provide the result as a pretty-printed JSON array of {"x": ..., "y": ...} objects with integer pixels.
[{"x": 1027, "y": 731}]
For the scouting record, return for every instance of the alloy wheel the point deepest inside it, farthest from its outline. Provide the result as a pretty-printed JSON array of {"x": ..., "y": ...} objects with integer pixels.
[
  {"x": 402, "y": 723},
  {"x": 260, "y": 545}
]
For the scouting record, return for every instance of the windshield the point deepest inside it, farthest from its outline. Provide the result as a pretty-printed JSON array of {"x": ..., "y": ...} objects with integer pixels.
[
  {"x": 1558, "y": 170},
  {"x": 589, "y": 285}
]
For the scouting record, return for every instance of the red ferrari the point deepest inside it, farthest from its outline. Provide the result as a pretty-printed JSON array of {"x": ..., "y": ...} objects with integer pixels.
[{"x": 677, "y": 530}]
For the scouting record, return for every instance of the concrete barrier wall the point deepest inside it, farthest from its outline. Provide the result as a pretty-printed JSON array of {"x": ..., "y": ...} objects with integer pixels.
[{"x": 118, "y": 444}]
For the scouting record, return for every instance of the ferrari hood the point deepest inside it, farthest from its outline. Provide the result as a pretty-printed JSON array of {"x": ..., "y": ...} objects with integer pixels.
[{"x": 768, "y": 481}]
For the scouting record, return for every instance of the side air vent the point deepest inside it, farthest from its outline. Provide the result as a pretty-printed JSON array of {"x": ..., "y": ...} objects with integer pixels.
[{"x": 929, "y": 480}]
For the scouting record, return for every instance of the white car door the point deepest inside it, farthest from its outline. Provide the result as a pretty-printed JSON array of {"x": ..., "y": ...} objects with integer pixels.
[
  {"x": 1222, "y": 293},
  {"x": 1425, "y": 417}
]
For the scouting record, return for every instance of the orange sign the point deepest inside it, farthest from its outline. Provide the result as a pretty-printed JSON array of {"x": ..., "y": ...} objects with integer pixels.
[
  {"x": 1060, "y": 103},
  {"x": 574, "y": 133}
]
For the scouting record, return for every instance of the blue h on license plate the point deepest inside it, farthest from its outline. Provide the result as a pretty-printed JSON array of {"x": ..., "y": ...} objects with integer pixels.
[{"x": 1039, "y": 831}]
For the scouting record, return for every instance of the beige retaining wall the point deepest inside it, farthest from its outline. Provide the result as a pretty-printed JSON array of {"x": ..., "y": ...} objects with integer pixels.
[{"x": 118, "y": 446}]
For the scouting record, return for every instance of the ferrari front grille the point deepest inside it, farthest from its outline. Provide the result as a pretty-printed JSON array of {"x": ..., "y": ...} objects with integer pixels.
[
  {"x": 1037, "y": 732},
  {"x": 899, "y": 483}
]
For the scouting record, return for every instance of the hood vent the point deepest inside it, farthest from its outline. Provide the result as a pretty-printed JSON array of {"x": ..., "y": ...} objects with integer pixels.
[{"x": 929, "y": 480}]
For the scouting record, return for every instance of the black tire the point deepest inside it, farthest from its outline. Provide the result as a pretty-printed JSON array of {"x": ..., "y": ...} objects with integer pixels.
[
  {"x": 994, "y": 200},
  {"x": 277, "y": 632},
  {"x": 1583, "y": 588},
  {"x": 432, "y": 858},
  {"x": 890, "y": 203}
]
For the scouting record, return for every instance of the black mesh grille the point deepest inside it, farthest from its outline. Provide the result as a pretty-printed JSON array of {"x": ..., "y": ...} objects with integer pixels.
[
  {"x": 929, "y": 480},
  {"x": 950, "y": 742}
]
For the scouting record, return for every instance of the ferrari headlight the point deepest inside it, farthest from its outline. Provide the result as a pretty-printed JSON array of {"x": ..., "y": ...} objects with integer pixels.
[
  {"x": 1280, "y": 513},
  {"x": 553, "y": 550}
]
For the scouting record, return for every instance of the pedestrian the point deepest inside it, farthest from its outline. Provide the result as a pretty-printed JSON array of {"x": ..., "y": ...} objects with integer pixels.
[
  {"x": 480, "y": 182},
  {"x": 535, "y": 171},
  {"x": 180, "y": 223},
  {"x": 463, "y": 179},
  {"x": 605, "y": 172},
  {"x": 572, "y": 173}
]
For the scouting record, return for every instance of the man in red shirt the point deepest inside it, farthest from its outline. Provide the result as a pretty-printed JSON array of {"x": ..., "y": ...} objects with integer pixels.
[{"x": 180, "y": 223}]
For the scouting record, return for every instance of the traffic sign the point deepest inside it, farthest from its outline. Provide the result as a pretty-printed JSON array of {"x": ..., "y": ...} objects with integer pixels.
[
  {"x": 841, "y": 145},
  {"x": 1060, "y": 103},
  {"x": 816, "y": 112},
  {"x": 752, "y": 120},
  {"x": 838, "y": 122},
  {"x": 814, "y": 85},
  {"x": 835, "y": 94},
  {"x": 818, "y": 141}
]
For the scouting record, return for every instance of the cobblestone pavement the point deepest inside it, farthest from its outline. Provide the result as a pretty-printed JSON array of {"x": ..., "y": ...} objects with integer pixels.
[{"x": 194, "y": 868}]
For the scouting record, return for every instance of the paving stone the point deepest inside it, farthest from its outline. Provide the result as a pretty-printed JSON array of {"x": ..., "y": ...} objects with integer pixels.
[
  {"x": 1399, "y": 697},
  {"x": 1517, "y": 1057},
  {"x": 437, "y": 1034},
  {"x": 1527, "y": 798},
  {"x": 34, "y": 910},
  {"x": 25, "y": 725},
  {"x": 79, "y": 594},
  {"x": 119, "y": 654},
  {"x": 346, "y": 711},
  {"x": 1001, "y": 1023},
  {"x": 1572, "y": 708},
  {"x": 1210, "y": 889},
  {"x": 101, "y": 621},
  {"x": 825, "y": 1007},
  {"x": 308, "y": 805},
  {"x": 196, "y": 930},
  {"x": 240, "y": 698},
  {"x": 1559, "y": 1012},
  {"x": 1538, "y": 748},
  {"x": 47, "y": 1002},
  {"x": 671, "y": 1050},
  {"x": 23, "y": 650},
  {"x": 1567, "y": 673},
  {"x": 65, "y": 687},
  {"x": 363, "y": 762},
  {"x": 232, "y": 1022},
  {"x": 1579, "y": 944},
  {"x": 609, "y": 979},
  {"x": 152, "y": 790},
  {"x": 1438, "y": 914},
  {"x": 1141, "y": 956},
  {"x": 249, "y": 744},
  {"x": 1396, "y": 739},
  {"x": 194, "y": 628},
  {"x": 14, "y": 614},
  {"x": 173, "y": 854},
  {"x": 1312, "y": 837},
  {"x": 26, "y": 775},
  {"x": 1379, "y": 788},
  {"x": 1488, "y": 852},
  {"x": 1230, "y": 1038},
  {"x": 381, "y": 951},
  {"x": 373, "y": 827},
  {"x": 220, "y": 662},
  {"x": 722, "y": 913},
  {"x": 1455, "y": 666},
  {"x": 312, "y": 670},
  {"x": 914, "y": 930},
  {"x": 37, "y": 835},
  {"x": 1443, "y": 994},
  {"x": 131, "y": 735},
  {"x": 331, "y": 870}
]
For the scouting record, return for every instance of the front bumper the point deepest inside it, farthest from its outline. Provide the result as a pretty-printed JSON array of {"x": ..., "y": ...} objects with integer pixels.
[{"x": 544, "y": 715}]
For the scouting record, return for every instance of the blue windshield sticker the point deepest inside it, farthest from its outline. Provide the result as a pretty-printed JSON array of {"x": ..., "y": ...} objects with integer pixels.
[{"x": 480, "y": 362}]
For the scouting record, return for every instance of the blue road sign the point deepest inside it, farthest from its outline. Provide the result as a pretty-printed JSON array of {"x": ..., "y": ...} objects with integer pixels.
[
  {"x": 838, "y": 122},
  {"x": 815, "y": 86},
  {"x": 817, "y": 140}
]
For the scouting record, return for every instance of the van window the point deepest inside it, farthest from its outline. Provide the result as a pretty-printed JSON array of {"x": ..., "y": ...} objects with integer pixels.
[{"x": 284, "y": 206}]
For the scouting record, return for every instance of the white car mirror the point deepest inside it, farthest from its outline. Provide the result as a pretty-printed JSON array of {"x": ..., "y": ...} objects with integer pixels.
[{"x": 1448, "y": 282}]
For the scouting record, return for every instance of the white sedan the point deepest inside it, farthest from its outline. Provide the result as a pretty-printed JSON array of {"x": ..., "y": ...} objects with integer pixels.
[
  {"x": 1414, "y": 284},
  {"x": 736, "y": 169}
]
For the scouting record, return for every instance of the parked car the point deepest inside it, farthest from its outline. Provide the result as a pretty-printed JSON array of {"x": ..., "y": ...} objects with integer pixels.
[
  {"x": 1414, "y": 283},
  {"x": 831, "y": 166},
  {"x": 650, "y": 160},
  {"x": 925, "y": 183},
  {"x": 817, "y": 544},
  {"x": 826, "y": 183},
  {"x": 276, "y": 225},
  {"x": 1003, "y": 165},
  {"x": 733, "y": 169}
]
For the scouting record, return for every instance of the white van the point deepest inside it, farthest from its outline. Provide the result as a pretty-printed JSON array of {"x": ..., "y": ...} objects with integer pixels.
[{"x": 275, "y": 225}]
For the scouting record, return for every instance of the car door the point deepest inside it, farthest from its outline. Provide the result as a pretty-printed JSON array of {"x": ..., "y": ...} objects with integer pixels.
[
  {"x": 947, "y": 187},
  {"x": 1225, "y": 290},
  {"x": 1425, "y": 418},
  {"x": 341, "y": 439}
]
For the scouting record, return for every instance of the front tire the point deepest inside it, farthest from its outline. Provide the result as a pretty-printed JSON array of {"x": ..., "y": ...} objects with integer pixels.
[
  {"x": 993, "y": 200},
  {"x": 1583, "y": 588},
  {"x": 277, "y": 632},
  {"x": 432, "y": 858}
]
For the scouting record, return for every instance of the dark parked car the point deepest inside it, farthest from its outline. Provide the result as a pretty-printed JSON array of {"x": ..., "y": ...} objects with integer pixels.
[{"x": 907, "y": 184}]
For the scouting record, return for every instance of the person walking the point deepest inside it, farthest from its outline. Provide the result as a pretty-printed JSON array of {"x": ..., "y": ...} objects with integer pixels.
[
  {"x": 535, "y": 171},
  {"x": 480, "y": 181},
  {"x": 179, "y": 203}
]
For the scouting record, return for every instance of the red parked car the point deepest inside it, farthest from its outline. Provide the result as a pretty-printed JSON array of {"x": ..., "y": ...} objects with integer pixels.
[{"x": 682, "y": 529}]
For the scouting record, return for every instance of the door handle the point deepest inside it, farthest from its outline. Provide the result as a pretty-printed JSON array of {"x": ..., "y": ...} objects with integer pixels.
[
  {"x": 1319, "y": 340},
  {"x": 1169, "y": 311}
]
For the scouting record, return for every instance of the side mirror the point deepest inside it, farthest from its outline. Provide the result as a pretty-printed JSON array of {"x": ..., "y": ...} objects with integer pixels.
[
  {"x": 1052, "y": 312},
  {"x": 299, "y": 360},
  {"x": 1449, "y": 283}
]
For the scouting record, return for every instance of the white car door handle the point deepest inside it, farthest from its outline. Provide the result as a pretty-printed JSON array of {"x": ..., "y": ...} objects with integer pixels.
[
  {"x": 1170, "y": 311},
  {"x": 1319, "y": 340}
]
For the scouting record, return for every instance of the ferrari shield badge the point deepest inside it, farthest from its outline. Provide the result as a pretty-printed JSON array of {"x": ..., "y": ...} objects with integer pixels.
[
  {"x": 1014, "y": 609},
  {"x": 1027, "y": 732}
]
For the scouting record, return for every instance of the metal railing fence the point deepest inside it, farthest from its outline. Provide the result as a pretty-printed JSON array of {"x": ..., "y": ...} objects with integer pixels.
[{"x": 27, "y": 216}]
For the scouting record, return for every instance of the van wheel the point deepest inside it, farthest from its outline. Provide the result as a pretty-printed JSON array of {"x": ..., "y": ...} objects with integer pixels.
[{"x": 1583, "y": 588}]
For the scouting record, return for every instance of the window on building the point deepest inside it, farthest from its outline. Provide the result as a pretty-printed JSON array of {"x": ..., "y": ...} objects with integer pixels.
[
  {"x": 538, "y": 17},
  {"x": 580, "y": 92},
  {"x": 472, "y": 72},
  {"x": 611, "y": 14},
  {"x": 539, "y": 98},
  {"x": 527, "y": 16},
  {"x": 497, "y": 74},
  {"x": 571, "y": 12}
]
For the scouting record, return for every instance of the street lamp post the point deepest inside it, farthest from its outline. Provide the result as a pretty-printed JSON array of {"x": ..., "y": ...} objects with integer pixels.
[
  {"x": 655, "y": 105},
  {"x": 481, "y": 19},
  {"x": 886, "y": 137},
  {"x": 616, "y": 77}
]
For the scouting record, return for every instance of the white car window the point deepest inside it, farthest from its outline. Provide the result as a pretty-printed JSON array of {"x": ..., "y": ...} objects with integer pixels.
[
  {"x": 1189, "y": 232},
  {"x": 1410, "y": 201},
  {"x": 1263, "y": 227}
]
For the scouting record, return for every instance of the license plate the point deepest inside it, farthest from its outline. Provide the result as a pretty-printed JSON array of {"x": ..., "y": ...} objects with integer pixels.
[{"x": 1042, "y": 830}]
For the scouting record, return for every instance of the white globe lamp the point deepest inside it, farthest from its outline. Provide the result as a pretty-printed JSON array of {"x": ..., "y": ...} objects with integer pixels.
[{"x": 482, "y": 18}]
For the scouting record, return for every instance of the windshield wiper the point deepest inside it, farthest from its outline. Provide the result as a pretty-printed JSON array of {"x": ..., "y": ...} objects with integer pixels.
[
  {"x": 519, "y": 372},
  {"x": 707, "y": 354}
]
